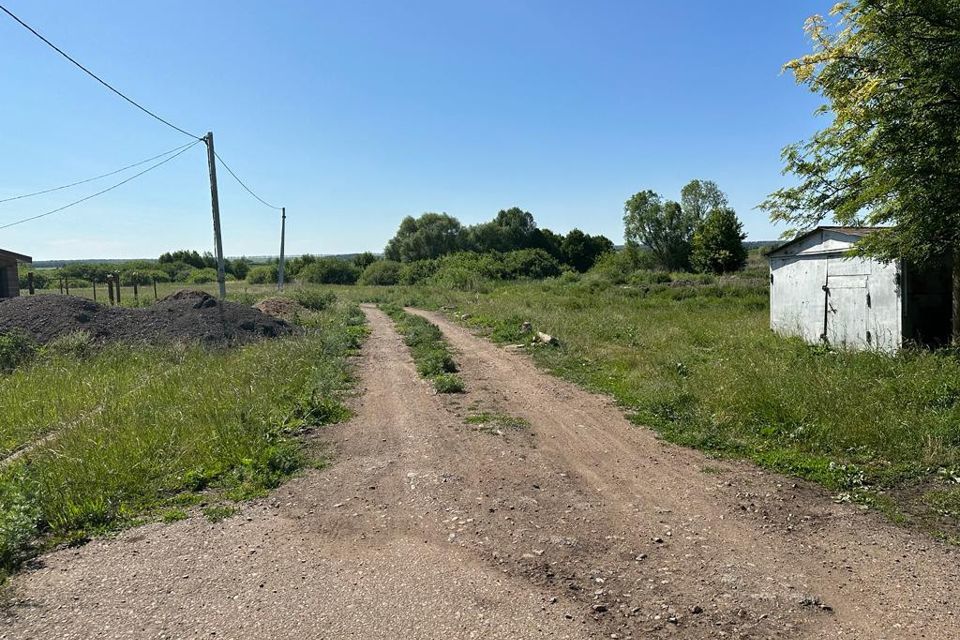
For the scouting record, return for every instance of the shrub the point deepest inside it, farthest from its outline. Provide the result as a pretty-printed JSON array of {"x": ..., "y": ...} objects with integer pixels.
[
  {"x": 314, "y": 299},
  {"x": 329, "y": 271},
  {"x": 419, "y": 271},
  {"x": 265, "y": 274},
  {"x": 202, "y": 276},
  {"x": 15, "y": 349},
  {"x": 530, "y": 263},
  {"x": 382, "y": 272}
]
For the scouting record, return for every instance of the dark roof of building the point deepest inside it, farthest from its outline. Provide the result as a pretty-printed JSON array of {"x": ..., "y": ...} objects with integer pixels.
[
  {"x": 19, "y": 257},
  {"x": 849, "y": 231}
]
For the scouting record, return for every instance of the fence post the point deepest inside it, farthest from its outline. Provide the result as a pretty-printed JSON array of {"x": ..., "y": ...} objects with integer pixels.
[
  {"x": 67, "y": 281},
  {"x": 94, "y": 283},
  {"x": 61, "y": 285},
  {"x": 116, "y": 278},
  {"x": 155, "y": 298},
  {"x": 30, "y": 281},
  {"x": 110, "y": 288},
  {"x": 136, "y": 292}
]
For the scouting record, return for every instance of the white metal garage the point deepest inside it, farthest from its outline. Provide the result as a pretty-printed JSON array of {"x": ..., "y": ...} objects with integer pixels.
[{"x": 818, "y": 291}]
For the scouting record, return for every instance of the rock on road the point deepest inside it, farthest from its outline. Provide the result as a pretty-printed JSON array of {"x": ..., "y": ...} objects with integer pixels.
[{"x": 578, "y": 525}]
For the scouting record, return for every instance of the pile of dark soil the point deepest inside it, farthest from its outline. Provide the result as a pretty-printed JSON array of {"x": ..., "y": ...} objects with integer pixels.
[{"x": 185, "y": 316}]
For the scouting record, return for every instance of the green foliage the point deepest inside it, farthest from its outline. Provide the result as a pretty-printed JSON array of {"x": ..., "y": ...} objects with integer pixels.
[
  {"x": 363, "y": 260},
  {"x": 429, "y": 236},
  {"x": 202, "y": 276},
  {"x": 448, "y": 383},
  {"x": 138, "y": 426},
  {"x": 662, "y": 226},
  {"x": 428, "y": 348},
  {"x": 534, "y": 264},
  {"x": 717, "y": 245},
  {"x": 219, "y": 512},
  {"x": 699, "y": 197},
  {"x": 314, "y": 299},
  {"x": 889, "y": 155},
  {"x": 382, "y": 272},
  {"x": 581, "y": 251},
  {"x": 329, "y": 271},
  {"x": 263, "y": 274},
  {"x": 16, "y": 348},
  {"x": 436, "y": 236},
  {"x": 41, "y": 279}
]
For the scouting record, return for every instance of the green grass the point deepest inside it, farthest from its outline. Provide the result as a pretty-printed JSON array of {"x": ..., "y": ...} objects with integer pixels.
[
  {"x": 496, "y": 423},
  {"x": 429, "y": 350},
  {"x": 694, "y": 359},
  {"x": 136, "y": 428}
]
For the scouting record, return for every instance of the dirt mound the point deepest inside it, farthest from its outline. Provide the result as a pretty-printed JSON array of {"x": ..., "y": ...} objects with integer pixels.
[
  {"x": 281, "y": 308},
  {"x": 185, "y": 316}
]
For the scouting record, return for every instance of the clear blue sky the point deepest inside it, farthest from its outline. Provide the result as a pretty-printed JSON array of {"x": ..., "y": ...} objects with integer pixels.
[{"x": 354, "y": 114}]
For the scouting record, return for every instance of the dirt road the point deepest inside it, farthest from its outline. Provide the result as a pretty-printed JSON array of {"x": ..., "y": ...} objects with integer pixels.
[{"x": 572, "y": 524}]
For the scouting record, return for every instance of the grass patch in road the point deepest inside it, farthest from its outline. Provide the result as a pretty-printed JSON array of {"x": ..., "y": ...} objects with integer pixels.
[
  {"x": 219, "y": 512},
  {"x": 430, "y": 351},
  {"x": 150, "y": 427},
  {"x": 496, "y": 423}
]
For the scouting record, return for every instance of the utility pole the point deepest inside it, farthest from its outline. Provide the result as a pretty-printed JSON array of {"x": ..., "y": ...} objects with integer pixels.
[
  {"x": 215, "y": 205},
  {"x": 283, "y": 233}
]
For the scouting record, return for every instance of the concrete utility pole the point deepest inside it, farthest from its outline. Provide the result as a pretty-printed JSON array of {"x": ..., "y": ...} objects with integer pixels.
[
  {"x": 215, "y": 205},
  {"x": 283, "y": 233}
]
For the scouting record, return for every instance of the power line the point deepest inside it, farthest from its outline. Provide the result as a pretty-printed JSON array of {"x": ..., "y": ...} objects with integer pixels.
[
  {"x": 105, "y": 175},
  {"x": 230, "y": 171},
  {"x": 95, "y": 76},
  {"x": 99, "y": 193}
]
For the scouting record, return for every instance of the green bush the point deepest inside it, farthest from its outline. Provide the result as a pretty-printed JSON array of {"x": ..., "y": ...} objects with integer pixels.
[
  {"x": 15, "y": 349},
  {"x": 314, "y": 299},
  {"x": 382, "y": 272},
  {"x": 264, "y": 274},
  {"x": 202, "y": 276},
  {"x": 329, "y": 271},
  {"x": 530, "y": 263}
]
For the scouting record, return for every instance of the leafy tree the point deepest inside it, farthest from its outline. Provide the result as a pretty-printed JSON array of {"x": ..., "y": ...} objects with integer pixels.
[
  {"x": 364, "y": 260},
  {"x": 191, "y": 258},
  {"x": 510, "y": 230},
  {"x": 580, "y": 250},
  {"x": 429, "y": 236},
  {"x": 717, "y": 245},
  {"x": 661, "y": 226},
  {"x": 699, "y": 197},
  {"x": 890, "y": 72},
  {"x": 293, "y": 267}
]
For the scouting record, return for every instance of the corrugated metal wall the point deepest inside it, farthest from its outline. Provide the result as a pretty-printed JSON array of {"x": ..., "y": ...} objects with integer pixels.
[{"x": 817, "y": 291}]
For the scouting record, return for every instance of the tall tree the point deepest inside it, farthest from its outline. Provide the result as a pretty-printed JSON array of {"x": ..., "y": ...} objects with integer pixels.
[
  {"x": 662, "y": 226},
  {"x": 890, "y": 72},
  {"x": 699, "y": 197},
  {"x": 429, "y": 236},
  {"x": 581, "y": 250},
  {"x": 717, "y": 245}
]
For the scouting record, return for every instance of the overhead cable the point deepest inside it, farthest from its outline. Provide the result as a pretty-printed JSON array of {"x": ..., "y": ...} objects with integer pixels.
[
  {"x": 95, "y": 178},
  {"x": 99, "y": 193},
  {"x": 95, "y": 76},
  {"x": 250, "y": 191}
]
